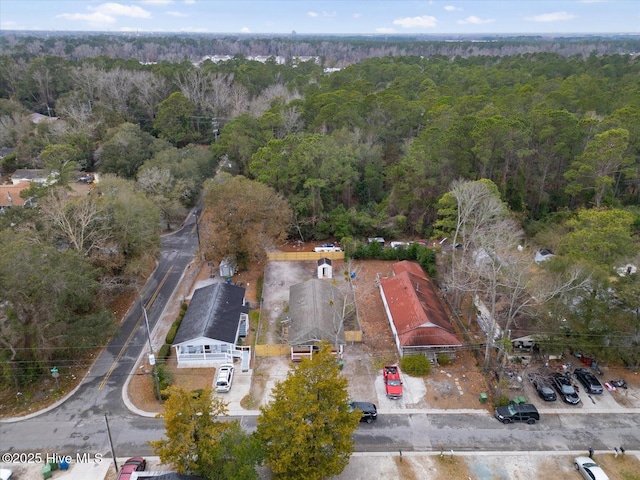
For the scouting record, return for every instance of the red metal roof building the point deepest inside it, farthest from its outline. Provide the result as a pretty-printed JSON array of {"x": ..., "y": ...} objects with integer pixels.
[{"x": 416, "y": 313}]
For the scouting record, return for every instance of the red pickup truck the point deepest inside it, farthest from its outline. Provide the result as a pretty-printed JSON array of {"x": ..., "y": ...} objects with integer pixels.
[{"x": 392, "y": 382}]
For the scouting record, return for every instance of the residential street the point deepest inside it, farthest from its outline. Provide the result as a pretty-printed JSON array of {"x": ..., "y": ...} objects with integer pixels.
[{"x": 78, "y": 424}]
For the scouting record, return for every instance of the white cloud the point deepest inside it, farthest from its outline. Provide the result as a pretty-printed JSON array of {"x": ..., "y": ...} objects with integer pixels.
[
  {"x": 329, "y": 14},
  {"x": 156, "y": 2},
  {"x": 189, "y": 2},
  {"x": 245, "y": 30},
  {"x": 312, "y": 14},
  {"x": 473, "y": 20},
  {"x": 175, "y": 13},
  {"x": 106, "y": 13},
  {"x": 118, "y": 9},
  {"x": 385, "y": 30},
  {"x": 451, "y": 8},
  {"x": 552, "y": 17},
  {"x": 95, "y": 18},
  {"x": 425, "y": 21}
]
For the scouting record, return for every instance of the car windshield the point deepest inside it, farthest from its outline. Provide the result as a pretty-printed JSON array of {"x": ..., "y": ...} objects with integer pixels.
[
  {"x": 221, "y": 383},
  {"x": 589, "y": 465},
  {"x": 568, "y": 390},
  {"x": 547, "y": 390},
  {"x": 394, "y": 382},
  {"x": 512, "y": 410}
]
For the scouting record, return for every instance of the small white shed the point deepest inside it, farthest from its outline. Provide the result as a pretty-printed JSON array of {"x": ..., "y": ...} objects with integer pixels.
[
  {"x": 228, "y": 266},
  {"x": 325, "y": 269}
]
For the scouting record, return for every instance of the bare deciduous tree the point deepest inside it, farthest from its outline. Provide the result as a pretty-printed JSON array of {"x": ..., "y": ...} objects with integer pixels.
[
  {"x": 79, "y": 222},
  {"x": 150, "y": 91}
]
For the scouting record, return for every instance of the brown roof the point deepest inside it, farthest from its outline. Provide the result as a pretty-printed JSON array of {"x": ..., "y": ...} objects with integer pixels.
[{"x": 416, "y": 309}]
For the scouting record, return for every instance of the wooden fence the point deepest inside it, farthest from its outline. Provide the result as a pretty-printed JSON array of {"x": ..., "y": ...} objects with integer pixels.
[
  {"x": 292, "y": 256},
  {"x": 276, "y": 350}
]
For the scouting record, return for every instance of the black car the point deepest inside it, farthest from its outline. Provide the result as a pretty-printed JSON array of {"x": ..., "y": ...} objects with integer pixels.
[
  {"x": 517, "y": 413},
  {"x": 588, "y": 380},
  {"x": 564, "y": 387},
  {"x": 369, "y": 410},
  {"x": 545, "y": 392}
]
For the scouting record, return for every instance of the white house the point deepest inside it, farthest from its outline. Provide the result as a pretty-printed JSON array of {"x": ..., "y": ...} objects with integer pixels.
[{"x": 217, "y": 317}]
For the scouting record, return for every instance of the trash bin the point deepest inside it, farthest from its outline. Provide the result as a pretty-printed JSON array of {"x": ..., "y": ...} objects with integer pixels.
[
  {"x": 64, "y": 465},
  {"x": 341, "y": 364},
  {"x": 483, "y": 397},
  {"x": 46, "y": 471},
  {"x": 54, "y": 466}
]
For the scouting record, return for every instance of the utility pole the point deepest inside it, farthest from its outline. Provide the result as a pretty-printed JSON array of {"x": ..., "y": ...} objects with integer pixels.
[
  {"x": 152, "y": 359},
  {"x": 113, "y": 452},
  {"x": 197, "y": 217}
]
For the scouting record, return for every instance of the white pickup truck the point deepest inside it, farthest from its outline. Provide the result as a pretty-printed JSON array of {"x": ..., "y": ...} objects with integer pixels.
[{"x": 327, "y": 247}]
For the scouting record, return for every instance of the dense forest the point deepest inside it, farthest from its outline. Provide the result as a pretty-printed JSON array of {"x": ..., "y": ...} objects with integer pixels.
[
  {"x": 370, "y": 150},
  {"x": 333, "y": 51}
]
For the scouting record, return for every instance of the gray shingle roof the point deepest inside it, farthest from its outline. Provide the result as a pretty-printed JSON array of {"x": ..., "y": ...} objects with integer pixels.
[
  {"x": 214, "y": 312},
  {"x": 316, "y": 309}
]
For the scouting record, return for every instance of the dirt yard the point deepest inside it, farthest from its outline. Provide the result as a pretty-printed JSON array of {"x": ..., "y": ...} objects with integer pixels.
[{"x": 456, "y": 386}]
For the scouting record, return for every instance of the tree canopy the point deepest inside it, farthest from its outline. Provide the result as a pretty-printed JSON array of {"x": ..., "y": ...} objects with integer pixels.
[
  {"x": 306, "y": 430},
  {"x": 242, "y": 217},
  {"x": 198, "y": 442}
]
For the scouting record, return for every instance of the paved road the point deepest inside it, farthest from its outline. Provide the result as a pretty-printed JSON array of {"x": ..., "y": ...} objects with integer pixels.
[{"x": 78, "y": 424}]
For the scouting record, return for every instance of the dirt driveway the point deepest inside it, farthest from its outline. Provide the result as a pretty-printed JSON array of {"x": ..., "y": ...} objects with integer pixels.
[{"x": 457, "y": 386}]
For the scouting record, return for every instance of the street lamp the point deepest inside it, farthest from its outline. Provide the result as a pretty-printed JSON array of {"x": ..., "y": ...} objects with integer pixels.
[{"x": 152, "y": 359}]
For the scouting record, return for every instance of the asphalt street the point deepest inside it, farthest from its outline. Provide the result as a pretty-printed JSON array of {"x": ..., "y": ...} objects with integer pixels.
[{"x": 78, "y": 425}]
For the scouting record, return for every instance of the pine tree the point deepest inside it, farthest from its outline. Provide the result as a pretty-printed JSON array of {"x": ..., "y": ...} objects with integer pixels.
[{"x": 306, "y": 431}]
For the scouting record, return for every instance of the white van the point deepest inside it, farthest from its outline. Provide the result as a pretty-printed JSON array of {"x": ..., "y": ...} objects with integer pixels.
[{"x": 225, "y": 377}]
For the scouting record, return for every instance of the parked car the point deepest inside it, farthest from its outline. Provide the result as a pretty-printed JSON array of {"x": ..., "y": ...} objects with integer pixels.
[
  {"x": 522, "y": 412},
  {"x": 369, "y": 410},
  {"x": 564, "y": 387},
  {"x": 588, "y": 380},
  {"x": 392, "y": 382},
  {"x": 589, "y": 469},
  {"x": 545, "y": 392},
  {"x": 134, "y": 464},
  {"x": 225, "y": 377}
]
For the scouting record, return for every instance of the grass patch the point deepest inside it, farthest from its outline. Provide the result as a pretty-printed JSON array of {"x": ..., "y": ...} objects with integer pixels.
[
  {"x": 450, "y": 467},
  {"x": 248, "y": 402},
  {"x": 405, "y": 468}
]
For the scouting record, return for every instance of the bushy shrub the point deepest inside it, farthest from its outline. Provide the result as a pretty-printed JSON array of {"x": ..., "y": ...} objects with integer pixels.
[
  {"x": 165, "y": 379},
  {"x": 425, "y": 256},
  {"x": 164, "y": 352},
  {"x": 444, "y": 360},
  {"x": 171, "y": 334},
  {"x": 503, "y": 401},
  {"x": 416, "y": 365}
]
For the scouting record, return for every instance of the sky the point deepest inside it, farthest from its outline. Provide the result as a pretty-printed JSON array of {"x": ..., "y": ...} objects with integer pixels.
[{"x": 371, "y": 17}]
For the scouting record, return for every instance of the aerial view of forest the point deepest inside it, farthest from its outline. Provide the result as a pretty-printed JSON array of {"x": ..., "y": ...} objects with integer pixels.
[{"x": 357, "y": 137}]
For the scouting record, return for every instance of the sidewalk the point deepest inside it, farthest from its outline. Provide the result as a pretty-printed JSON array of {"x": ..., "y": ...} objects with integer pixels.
[{"x": 431, "y": 465}]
